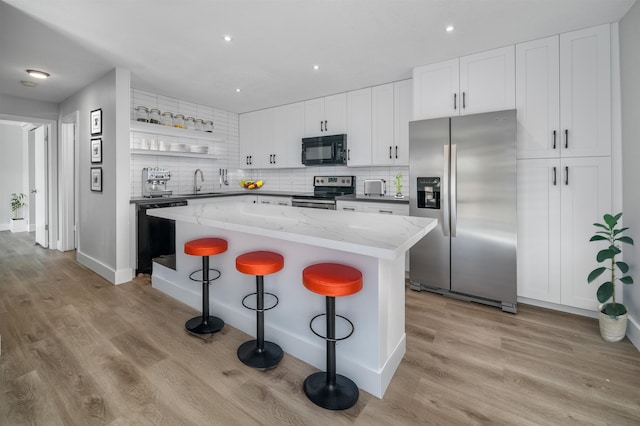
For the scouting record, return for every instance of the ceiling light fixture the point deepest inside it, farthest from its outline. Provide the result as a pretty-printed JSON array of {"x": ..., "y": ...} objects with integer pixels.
[
  {"x": 449, "y": 28},
  {"x": 38, "y": 74},
  {"x": 28, "y": 83},
  {"x": 227, "y": 38},
  {"x": 238, "y": 90},
  {"x": 316, "y": 67}
]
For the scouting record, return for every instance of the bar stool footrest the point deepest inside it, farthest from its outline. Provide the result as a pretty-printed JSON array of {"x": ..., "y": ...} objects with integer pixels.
[
  {"x": 196, "y": 325},
  {"x": 344, "y": 394},
  {"x": 202, "y": 280},
  {"x": 337, "y": 339},
  {"x": 263, "y": 309},
  {"x": 265, "y": 359}
]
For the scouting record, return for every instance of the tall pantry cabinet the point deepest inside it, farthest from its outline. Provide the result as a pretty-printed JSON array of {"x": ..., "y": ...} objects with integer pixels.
[{"x": 563, "y": 99}]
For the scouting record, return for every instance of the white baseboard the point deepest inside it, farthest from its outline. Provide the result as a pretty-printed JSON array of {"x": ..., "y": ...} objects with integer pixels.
[
  {"x": 113, "y": 276},
  {"x": 633, "y": 332},
  {"x": 556, "y": 307}
]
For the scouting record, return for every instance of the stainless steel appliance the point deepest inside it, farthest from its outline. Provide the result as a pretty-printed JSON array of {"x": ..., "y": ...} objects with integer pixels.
[
  {"x": 375, "y": 187},
  {"x": 324, "y": 150},
  {"x": 463, "y": 173},
  {"x": 154, "y": 182},
  {"x": 156, "y": 236},
  {"x": 325, "y": 191}
]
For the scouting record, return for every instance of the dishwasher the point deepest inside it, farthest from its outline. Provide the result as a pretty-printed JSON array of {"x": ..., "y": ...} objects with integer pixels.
[{"x": 156, "y": 237}]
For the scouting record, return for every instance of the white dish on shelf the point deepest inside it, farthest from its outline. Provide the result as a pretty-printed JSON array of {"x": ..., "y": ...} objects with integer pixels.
[{"x": 178, "y": 147}]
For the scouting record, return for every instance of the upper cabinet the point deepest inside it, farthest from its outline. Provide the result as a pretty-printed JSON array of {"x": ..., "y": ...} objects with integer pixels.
[
  {"x": 471, "y": 84},
  {"x": 392, "y": 110},
  {"x": 359, "y": 127},
  {"x": 563, "y": 95},
  {"x": 326, "y": 116}
]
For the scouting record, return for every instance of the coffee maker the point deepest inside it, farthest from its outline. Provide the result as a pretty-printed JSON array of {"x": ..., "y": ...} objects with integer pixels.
[{"x": 154, "y": 182}]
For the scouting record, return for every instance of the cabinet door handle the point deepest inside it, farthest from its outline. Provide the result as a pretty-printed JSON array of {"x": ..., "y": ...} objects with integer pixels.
[
  {"x": 321, "y": 125},
  {"x": 455, "y": 101},
  {"x": 274, "y": 159},
  {"x": 464, "y": 100},
  {"x": 396, "y": 151},
  {"x": 351, "y": 209},
  {"x": 566, "y": 175},
  {"x": 251, "y": 159},
  {"x": 348, "y": 154},
  {"x": 554, "y": 139},
  {"x": 325, "y": 126},
  {"x": 554, "y": 176},
  {"x": 566, "y": 138},
  {"x": 385, "y": 211},
  {"x": 390, "y": 153}
]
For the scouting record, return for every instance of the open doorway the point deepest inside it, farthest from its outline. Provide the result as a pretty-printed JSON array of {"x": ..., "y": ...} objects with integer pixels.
[{"x": 68, "y": 182}]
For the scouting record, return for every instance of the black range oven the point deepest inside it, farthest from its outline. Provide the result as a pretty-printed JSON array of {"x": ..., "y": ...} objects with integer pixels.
[{"x": 325, "y": 191}]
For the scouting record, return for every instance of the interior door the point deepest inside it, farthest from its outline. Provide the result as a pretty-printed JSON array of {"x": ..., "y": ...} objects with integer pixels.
[{"x": 40, "y": 155}]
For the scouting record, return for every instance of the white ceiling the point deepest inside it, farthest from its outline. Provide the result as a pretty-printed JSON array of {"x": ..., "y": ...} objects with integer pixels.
[{"x": 176, "y": 48}]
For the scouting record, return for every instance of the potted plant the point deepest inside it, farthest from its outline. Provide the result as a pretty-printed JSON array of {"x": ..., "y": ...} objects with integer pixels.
[
  {"x": 398, "y": 184},
  {"x": 17, "y": 224},
  {"x": 612, "y": 316}
]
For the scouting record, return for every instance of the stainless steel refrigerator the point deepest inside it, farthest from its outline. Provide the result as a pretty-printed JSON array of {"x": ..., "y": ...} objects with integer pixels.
[{"x": 463, "y": 173}]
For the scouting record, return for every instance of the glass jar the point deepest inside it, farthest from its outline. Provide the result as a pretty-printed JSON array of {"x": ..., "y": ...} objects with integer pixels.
[
  {"x": 208, "y": 126},
  {"x": 178, "y": 121},
  {"x": 190, "y": 123},
  {"x": 199, "y": 125},
  {"x": 142, "y": 114},
  {"x": 154, "y": 116},
  {"x": 167, "y": 119}
]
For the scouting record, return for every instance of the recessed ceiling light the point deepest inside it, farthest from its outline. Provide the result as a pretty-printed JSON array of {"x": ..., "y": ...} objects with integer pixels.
[
  {"x": 28, "y": 83},
  {"x": 316, "y": 67},
  {"x": 227, "y": 38},
  {"x": 38, "y": 74},
  {"x": 238, "y": 90},
  {"x": 450, "y": 28}
]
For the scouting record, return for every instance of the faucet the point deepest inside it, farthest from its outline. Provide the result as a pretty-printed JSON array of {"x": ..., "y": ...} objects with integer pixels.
[{"x": 197, "y": 188}]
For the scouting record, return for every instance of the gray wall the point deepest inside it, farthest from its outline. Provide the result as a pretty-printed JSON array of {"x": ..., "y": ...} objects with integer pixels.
[
  {"x": 630, "y": 83},
  {"x": 103, "y": 217},
  {"x": 14, "y": 150}
]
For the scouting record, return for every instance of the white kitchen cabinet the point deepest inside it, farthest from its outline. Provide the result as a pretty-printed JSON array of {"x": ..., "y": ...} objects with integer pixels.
[
  {"x": 563, "y": 95},
  {"x": 349, "y": 206},
  {"x": 386, "y": 208},
  {"x": 359, "y": 127},
  {"x": 248, "y": 149},
  {"x": 227, "y": 199},
  {"x": 286, "y": 151},
  {"x": 274, "y": 200},
  {"x": 392, "y": 110},
  {"x": 326, "y": 116},
  {"x": 558, "y": 202},
  {"x": 471, "y": 84}
]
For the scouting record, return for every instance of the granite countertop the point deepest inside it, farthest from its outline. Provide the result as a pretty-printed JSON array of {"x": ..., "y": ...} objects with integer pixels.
[
  {"x": 381, "y": 236},
  {"x": 374, "y": 198},
  {"x": 180, "y": 197}
]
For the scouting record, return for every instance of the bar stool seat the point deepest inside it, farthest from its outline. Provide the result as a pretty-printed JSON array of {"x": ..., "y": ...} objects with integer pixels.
[
  {"x": 329, "y": 389},
  {"x": 205, "y": 247},
  {"x": 259, "y": 353}
]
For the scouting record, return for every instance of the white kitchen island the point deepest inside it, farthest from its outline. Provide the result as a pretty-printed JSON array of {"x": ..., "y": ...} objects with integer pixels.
[{"x": 375, "y": 244}]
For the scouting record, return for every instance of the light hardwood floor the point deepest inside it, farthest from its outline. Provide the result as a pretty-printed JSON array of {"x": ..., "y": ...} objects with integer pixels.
[{"x": 77, "y": 350}]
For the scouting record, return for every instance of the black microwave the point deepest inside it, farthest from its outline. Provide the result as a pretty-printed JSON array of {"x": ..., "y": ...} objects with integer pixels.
[{"x": 324, "y": 150}]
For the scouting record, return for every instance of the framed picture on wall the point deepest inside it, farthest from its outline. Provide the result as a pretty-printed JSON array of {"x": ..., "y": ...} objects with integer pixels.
[
  {"x": 96, "y": 179},
  {"x": 96, "y": 150},
  {"x": 96, "y": 122}
]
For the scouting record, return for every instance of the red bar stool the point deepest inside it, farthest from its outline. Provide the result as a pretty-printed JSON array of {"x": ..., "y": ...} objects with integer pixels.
[
  {"x": 328, "y": 389},
  {"x": 257, "y": 353},
  {"x": 205, "y": 247}
]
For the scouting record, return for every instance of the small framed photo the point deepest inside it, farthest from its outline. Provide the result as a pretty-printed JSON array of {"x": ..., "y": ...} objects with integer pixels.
[
  {"x": 96, "y": 122},
  {"x": 96, "y": 179},
  {"x": 96, "y": 150}
]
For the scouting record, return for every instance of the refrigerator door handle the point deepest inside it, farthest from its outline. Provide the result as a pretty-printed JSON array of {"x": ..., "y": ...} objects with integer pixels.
[
  {"x": 453, "y": 180},
  {"x": 445, "y": 192}
]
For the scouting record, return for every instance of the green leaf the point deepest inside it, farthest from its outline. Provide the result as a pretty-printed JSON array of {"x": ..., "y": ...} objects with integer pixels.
[
  {"x": 614, "y": 309},
  {"x": 623, "y": 267},
  {"x": 605, "y": 291},
  {"x": 626, "y": 240},
  {"x": 604, "y": 255},
  {"x": 626, "y": 280},
  {"x": 611, "y": 220},
  {"x": 599, "y": 225},
  {"x": 617, "y": 231},
  {"x": 595, "y": 274},
  {"x": 615, "y": 250},
  {"x": 598, "y": 238}
]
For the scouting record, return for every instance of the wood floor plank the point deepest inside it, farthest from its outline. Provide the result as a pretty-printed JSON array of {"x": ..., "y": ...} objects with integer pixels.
[{"x": 77, "y": 350}]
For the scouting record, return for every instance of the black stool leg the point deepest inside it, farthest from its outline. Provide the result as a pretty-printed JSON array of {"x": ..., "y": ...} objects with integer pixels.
[
  {"x": 204, "y": 324},
  {"x": 328, "y": 389},
  {"x": 258, "y": 353}
]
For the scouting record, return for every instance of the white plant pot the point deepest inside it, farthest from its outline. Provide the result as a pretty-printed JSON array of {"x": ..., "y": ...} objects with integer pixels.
[
  {"x": 612, "y": 329},
  {"x": 18, "y": 225}
]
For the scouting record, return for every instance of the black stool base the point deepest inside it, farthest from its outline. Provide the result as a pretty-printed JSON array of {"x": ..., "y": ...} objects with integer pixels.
[
  {"x": 339, "y": 397},
  {"x": 197, "y": 326},
  {"x": 249, "y": 354}
]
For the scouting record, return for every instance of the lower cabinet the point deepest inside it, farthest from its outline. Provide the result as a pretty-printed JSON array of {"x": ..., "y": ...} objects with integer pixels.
[
  {"x": 373, "y": 207},
  {"x": 208, "y": 200},
  {"x": 558, "y": 202},
  {"x": 274, "y": 200}
]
